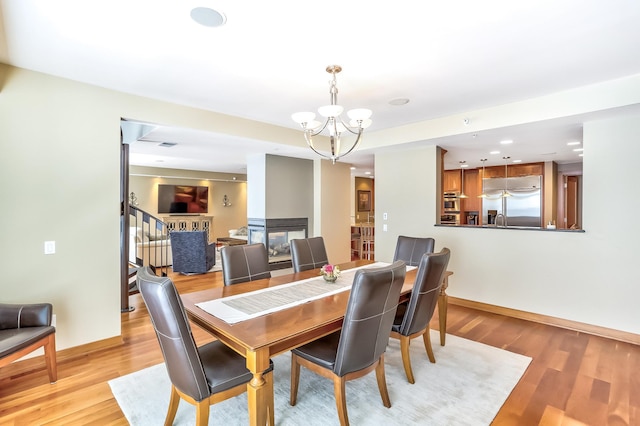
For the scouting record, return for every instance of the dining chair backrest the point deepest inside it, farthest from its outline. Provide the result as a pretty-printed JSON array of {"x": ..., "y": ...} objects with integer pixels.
[
  {"x": 369, "y": 316},
  {"x": 174, "y": 334},
  {"x": 411, "y": 249},
  {"x": 426, "y": 289},
  {"x": 308, "y": 253},
  {"x": 244, "y": 263}
]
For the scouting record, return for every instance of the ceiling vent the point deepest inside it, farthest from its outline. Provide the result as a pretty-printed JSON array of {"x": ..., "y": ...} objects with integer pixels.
[{"x": 167, "y": 144}]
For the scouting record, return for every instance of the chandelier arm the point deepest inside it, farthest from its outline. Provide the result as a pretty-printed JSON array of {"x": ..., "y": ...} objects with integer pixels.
[
  {"x": 321, "y": 129},
  {"x": 309, "y": 139},
  {"x": 352, "y": 129},
  {"x": 355, "y": 145}
]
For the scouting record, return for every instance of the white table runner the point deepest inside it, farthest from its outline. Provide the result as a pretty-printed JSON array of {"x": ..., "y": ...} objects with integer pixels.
[{"x": 242, "y": 307}]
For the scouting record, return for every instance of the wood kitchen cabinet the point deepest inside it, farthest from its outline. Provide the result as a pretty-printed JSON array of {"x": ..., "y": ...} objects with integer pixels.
[
  {"x": 515, "y": 170},
  {"x": 472, "y": 188},
  {"x": 451, "y": 181}
]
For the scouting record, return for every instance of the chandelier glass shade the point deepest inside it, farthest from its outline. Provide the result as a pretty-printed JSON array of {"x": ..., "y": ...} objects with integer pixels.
[{"x": 334, "y": 126}]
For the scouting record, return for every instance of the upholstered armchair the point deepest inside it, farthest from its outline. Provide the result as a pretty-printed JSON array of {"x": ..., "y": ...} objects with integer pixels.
[
  {"x": 191, "y": 252},
  {"x": 25, "y": 328}
]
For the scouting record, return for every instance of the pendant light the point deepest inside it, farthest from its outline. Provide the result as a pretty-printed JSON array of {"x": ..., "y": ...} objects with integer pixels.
[
  {"x": 482, "y": 195},
  {"x": 505, "y": 191},
  {"x": 462, "y": 166}
]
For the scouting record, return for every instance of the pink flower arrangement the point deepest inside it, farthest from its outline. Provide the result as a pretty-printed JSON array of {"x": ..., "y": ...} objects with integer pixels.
[{"x": 330, "y": 271}]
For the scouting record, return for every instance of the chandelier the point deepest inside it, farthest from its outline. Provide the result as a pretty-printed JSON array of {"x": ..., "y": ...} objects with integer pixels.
[{"x": 334, "y": 125}]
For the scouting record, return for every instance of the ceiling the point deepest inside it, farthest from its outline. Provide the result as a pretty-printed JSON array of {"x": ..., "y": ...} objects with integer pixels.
[{"x": 269, "y": 61}]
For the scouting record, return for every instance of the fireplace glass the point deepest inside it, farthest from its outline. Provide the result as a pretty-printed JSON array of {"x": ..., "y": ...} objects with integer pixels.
[{"x": 276, "y": 235}]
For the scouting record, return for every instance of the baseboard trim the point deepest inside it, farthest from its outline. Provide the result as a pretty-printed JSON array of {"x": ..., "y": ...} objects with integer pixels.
[
  {"x": 37, "y": 362},
  {"x": 595, "y": 330},
  {"x": 81, "y": 350}
]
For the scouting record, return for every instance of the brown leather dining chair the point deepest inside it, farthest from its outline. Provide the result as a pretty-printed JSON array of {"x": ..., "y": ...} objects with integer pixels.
[
  {"x": 203, "y": 375},
  {"x": 359, "y": 347},
  {"x": 244, "y": 263},
  {"x": 412, "y": 319},
  {"x": 411, "y": 249},
  {"x": 308, "y": 253}
]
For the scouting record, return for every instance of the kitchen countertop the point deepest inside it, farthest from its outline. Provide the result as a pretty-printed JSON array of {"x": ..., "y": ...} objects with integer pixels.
[{"x": 522, "y": 228}]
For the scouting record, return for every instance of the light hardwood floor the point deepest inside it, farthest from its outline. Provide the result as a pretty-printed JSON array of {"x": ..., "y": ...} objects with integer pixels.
[{"x": 574, "y": 378}]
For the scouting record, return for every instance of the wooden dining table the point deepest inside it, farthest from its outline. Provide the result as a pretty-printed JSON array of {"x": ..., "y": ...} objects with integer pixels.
[{"x": 261, "y": 338}]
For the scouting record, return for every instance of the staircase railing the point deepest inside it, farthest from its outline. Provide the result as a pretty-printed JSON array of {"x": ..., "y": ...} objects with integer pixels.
[{"x": 149, "y": 243}]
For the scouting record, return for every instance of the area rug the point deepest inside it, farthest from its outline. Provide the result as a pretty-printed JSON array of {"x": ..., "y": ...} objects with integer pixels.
[{"x": 466, "y": 386}]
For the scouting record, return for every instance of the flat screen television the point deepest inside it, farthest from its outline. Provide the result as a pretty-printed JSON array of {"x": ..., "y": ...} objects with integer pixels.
[{"x": 183, "y": 199}]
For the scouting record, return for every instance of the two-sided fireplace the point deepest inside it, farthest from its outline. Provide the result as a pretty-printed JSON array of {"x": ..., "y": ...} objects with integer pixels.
[{"x": 276, "y": 235}]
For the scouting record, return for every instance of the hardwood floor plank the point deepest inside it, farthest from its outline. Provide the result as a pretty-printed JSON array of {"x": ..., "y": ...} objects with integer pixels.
[{"x": 573, "y": 379}]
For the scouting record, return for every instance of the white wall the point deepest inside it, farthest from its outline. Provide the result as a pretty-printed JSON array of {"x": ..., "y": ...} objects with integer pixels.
[
  {"x": 332, "y": 206},
  {"x": 60, "y": 181},
  {"x": 587, "y": 277}
]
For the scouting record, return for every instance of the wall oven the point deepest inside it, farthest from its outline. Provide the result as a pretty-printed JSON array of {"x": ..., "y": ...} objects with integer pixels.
[
  {"x": 451, "y": 202},
  {"x": 450, "y": 219}
]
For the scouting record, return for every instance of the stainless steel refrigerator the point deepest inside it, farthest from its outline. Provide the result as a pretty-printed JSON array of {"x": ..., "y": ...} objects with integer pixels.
[{"x": 522, "y": 208}]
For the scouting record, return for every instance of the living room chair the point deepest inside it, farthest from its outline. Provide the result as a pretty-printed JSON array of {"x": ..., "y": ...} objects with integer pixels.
[
  {"x": 191, "y": 252},
  {"x": 25, "y": 328},
  {"x": 412, "y": 318},
  {"x": 308, "y": 253},
  {"x": 359, "y": 347},
  {"x": 244, "y": 263},
  {"x": 411, "y": 249},
  {"x": 203, "y": 375}
]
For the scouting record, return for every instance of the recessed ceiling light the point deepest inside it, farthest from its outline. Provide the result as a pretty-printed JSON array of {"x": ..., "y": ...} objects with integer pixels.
[
  {"x": 399, "y": 101},
  {"x": 352, "y": 168},
  {"x": 573, "y": 143},
  {"x": 494, "y": 152},
  {"x": 517, "y": 161},
  {"x": 580, "y": 155},
  {"x": 578, "y": 149},
  {"x": 367, "y": 173},
  {"x": 506, "y": 142},
  {"x": 208, "y": 17},
  {"x": 464, "y": 165}
]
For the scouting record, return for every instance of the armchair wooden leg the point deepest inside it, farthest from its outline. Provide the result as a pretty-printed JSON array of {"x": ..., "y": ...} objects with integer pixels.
[
  {"x": 382, "y": 382},
  {"x": 341, "y": 399},
  {"x": 405, "y": 341},
  {"x": 427, "y": 345},
  {"x": 50, "y": 358},
  {"x": 174, "y": 400},
  {"x": 295, "y": 378}
]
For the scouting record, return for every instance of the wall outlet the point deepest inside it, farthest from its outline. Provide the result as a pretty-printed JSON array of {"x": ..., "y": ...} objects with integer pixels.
[
  {"x": 53, "y": 320},
  {"x": 384, "y": 227}
]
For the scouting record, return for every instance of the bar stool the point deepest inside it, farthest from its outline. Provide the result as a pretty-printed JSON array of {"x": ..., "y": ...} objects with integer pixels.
[
  {"x": 367, "y": 241},
  {"x": 356, "y": 244}
]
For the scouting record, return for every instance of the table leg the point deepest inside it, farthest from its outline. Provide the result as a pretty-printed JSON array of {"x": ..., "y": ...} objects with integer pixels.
[
  {"x": 257, "y": 391},
  {"x": 442, "y": 309}
]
